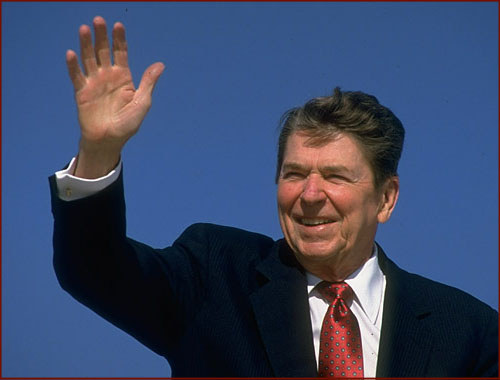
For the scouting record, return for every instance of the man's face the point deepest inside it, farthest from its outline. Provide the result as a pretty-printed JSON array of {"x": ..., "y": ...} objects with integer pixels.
[{"x": 328, "y": 206}]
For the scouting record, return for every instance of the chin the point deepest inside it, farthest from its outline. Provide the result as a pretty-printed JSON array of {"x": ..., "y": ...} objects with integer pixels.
[{"x": 317, "y": 251}]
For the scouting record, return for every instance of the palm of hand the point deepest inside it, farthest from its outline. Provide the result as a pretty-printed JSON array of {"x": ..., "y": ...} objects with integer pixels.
[
  {"x": 110, "y": 108},
  {"x": 106, "y": 107}
]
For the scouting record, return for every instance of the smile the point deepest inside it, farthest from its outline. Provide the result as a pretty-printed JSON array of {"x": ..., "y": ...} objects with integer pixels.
[{"x": 314, "y": 222}]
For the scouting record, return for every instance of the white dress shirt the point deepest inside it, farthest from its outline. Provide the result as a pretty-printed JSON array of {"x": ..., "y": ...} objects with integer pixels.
[
  {"x": 367, "y": 283},
  {"x": 71, "y": 188}
]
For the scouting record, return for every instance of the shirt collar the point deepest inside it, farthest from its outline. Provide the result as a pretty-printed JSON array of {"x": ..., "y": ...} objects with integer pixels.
[{"x": 367, "y": 283}]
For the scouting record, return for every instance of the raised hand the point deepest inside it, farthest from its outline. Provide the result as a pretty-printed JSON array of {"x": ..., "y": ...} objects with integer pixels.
[{"x": 110, "y": 108}]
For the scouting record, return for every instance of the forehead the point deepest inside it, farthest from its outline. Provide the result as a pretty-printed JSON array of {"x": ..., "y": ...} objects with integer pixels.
[{"x": 340, "y": 149}]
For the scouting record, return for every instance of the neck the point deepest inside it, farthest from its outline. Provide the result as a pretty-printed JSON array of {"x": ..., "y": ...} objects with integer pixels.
[{"x": 335, "y": 269}]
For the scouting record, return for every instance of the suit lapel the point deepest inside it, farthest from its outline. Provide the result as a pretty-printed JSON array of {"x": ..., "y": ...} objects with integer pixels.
[
  {"x": 281, "y": 308},
  {"x": 405, "y": 342}
]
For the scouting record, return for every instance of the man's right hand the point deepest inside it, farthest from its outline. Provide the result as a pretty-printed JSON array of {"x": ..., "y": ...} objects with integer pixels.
[{"x": 110, "y": 109}]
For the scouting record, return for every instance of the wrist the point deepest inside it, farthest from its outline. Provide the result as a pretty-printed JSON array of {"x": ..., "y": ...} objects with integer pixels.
[{"x": 95, "y": 163}]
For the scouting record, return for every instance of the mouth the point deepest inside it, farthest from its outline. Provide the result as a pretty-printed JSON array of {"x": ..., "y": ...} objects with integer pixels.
[{"x": 312, "y": 222}]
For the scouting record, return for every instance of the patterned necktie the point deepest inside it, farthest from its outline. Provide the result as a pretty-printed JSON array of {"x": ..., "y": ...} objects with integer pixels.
[{"x": 340, "y": 353}]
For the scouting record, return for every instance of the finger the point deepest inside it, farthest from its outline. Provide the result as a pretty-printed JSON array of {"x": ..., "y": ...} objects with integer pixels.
[
  {"x": 87, "y": 51},
  {"x": 102, "y": 52},
  {"x": 120, "y": 54},
  {"x": 75, "y": 73},
  {"x": 148, "y": 83}
]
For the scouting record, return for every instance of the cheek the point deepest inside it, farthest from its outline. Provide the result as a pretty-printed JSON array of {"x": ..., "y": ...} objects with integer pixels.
[
  {"x": 355, "y": 209},
  {"x": 287, "y": 194},
  {"x": 341, "y": 198}
]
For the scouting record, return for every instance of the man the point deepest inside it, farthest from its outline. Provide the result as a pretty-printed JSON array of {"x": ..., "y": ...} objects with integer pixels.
[{"x": 325, "y": 300}]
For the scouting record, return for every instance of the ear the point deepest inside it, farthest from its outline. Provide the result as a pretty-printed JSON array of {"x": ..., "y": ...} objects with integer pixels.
[{"x": 389, "y": 197}]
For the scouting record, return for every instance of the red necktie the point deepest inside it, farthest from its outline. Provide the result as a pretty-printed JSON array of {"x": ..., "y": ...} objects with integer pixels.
[{"x": 340, "y": 353}]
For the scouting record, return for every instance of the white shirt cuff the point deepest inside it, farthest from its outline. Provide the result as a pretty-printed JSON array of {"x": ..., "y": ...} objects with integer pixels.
[{"x": 71, "y": 188}]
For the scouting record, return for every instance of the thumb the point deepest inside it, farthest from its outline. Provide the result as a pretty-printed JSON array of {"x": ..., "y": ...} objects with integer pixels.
[{"x": 148, "y": 82}]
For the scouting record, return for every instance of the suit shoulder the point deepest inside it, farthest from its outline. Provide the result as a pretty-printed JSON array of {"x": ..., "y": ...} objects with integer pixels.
[
  {"x": 447, "y": 297},
  {"x": 421, "y": 290},
  {"x": 222, "y": 238}
]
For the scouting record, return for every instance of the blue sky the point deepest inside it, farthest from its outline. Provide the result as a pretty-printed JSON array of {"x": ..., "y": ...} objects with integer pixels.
[{"x": 206, "y": 151}]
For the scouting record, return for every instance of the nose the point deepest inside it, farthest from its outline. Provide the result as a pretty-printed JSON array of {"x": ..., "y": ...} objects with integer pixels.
[{"x": 313, "y": 190}]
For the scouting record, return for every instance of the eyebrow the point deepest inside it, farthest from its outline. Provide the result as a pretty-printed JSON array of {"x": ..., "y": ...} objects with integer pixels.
[
  {"x": 328, "y": 168},
  {"x": 293, "y": 166}
]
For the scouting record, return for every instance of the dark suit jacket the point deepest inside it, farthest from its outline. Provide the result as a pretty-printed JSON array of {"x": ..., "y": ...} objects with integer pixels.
[{"x": 226, "y": 302}]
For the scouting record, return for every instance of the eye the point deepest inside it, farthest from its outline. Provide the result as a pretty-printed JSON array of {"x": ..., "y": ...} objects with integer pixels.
[
  {"x": 335, "y": 178},
  {"x": 293, "y": 175}
]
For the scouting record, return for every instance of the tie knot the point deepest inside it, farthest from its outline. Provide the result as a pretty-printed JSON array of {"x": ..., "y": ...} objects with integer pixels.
[{"x": 335, "y": 290}]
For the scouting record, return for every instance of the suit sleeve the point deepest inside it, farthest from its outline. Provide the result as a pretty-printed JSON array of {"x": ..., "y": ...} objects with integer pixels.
[
  {"x": 487, "y": 352},
  {"x": 141, "y": 290}
]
